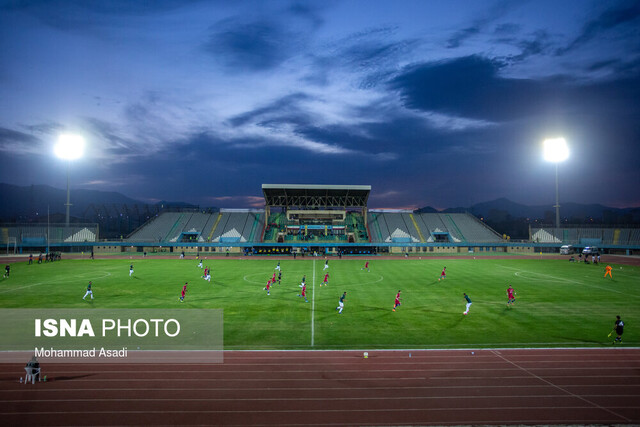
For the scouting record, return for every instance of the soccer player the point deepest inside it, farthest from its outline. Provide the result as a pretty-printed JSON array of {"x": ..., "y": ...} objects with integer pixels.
[
  {"x": 303, "y": 292},
  {"x": 443, "y": 275},
  {"x": 326, "y": 264},
  {"x": 326, "y": 280},
  {"x": 30, "y": 259},
  {"x": 468, "y": 303},
  {"x": 304, "y": 279},
  {"x": 366, "y": 265},
  {"x": 341, "y": 303},
  {"x": 279, "y": 277},
  {"x": 278, "y": 266},
  {"x": 200, "y": 264},
  {"x": 273, "y": 279},
  {"x": 89, "y": 291},
  {"x": 397, "y": 303},
  {"x": 510, "y": 296},
  {"x": 131, "y": 270},
  {"x": 207, "y": 274},
  {"x": 268, "y": 286},
  {"x": 607, "y": 270},
  {"x": 619, "y": 327},
  {"x": 7, "y": 271},
  {"x": 184, "y": 291}
]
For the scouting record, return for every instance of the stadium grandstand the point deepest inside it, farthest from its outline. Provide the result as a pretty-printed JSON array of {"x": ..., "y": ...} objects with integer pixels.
[
  {"x": 14, "y": 237},
  {"x": 316, "y": 214},
  {"x": 320, "y": 218},
  {"x": 580, "y": 236}
]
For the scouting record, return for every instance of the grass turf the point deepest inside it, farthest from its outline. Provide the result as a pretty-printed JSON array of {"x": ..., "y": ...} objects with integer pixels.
[{"x": 559, "y": 304}]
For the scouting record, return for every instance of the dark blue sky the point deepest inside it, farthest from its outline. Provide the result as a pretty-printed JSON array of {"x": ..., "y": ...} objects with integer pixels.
[{"x": 440, "y": 103}]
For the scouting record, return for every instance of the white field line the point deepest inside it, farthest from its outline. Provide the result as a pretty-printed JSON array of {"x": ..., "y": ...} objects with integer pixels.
[{"x": 54, "y": 282}]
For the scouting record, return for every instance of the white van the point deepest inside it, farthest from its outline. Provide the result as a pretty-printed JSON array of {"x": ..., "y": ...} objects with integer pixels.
[
  {"x": 566, "y": 250},
  {"x": 591, "y": 250}
]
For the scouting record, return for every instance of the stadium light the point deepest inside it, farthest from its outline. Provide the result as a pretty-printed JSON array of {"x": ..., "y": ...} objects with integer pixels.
[
  {"x": 69, "y": 147},
  {"x": 556, "y": 151}
]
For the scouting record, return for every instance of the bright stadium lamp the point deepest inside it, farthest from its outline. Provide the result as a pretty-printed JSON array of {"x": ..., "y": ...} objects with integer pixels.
[
  {"x": 69, "y": 147},
  {"x": 556, "y": 151}
]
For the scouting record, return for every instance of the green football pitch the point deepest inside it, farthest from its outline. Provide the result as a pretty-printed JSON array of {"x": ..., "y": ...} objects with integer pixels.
[{"x": 559, "y": 304}]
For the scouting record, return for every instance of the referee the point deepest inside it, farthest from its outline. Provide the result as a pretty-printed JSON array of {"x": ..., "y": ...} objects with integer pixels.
[{"x": 619, "y": 326}]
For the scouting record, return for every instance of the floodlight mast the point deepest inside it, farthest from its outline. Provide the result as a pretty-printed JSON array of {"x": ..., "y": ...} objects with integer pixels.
[
  {"x": 556, "y": 151},
  {"x": 69, "y": 147}
]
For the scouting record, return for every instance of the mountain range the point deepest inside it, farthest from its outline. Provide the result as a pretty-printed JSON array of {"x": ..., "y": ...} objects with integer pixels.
[
  {"x": 34, "y": 200},
  {"x": 503, "y": 209}
]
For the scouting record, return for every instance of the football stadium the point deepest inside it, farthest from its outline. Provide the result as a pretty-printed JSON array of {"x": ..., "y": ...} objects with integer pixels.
[
  {"x": 319, "y": 213},
  {"x": 316, "y": 291}
]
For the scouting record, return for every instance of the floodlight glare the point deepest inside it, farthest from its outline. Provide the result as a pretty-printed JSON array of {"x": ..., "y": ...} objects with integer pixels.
[
  {"x": 69, "y": 147},
  {"x": 556, "y": 150}
]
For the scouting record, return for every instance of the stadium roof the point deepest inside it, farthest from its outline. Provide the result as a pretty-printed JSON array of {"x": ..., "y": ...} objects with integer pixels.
[{"x": 316, "y": 196}]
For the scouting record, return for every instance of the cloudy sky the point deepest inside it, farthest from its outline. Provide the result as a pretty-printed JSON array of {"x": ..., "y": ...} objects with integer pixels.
[{"x": 432, "y": 103}]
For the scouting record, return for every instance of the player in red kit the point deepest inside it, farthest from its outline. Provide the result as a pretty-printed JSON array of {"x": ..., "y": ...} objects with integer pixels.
[
  {"x": 443, "y": 275},
  {"x": 511, "y": 296},
  {"x": 366, "y": 265},
  {"x": 268, "y": 286},
  {"x": 184, "y": 291},
  {"x": 397, "y": 303},
  {"x": 326, "y": 280},
  {"x": 303, "y": 292}
]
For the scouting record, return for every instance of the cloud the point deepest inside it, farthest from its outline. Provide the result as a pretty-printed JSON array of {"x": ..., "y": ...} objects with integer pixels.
[
  {"x": 537, "y": 44},
  {"x": 307, "y": 11},
  {"x": 454, "y": 124},
  {"x": 69, "y": 15},
  {"x": 622, "y": 16},
  {"x": 258, "y": 45},
  {"x": 45, "y": 129},
  {"x": 286, "y": 105},
  {"x": 305, "y": 121},
  {"x": 471, "y": 87},
  {"x": 367, "y": 57},
  {"x": 15, "y": 142},
  {"x": 251, "y": 201},
  {"x": 494, "y": 13}
]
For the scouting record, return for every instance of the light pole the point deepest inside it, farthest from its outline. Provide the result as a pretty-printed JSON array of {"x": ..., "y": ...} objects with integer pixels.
[
  {"x": 556, "y": 151},
  {"x": 69, "y": 147}
]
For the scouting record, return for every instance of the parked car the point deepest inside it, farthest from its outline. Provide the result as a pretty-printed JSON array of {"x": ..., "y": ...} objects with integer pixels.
[
  {"x": 591, "y": 250},
  {"x": 566, "y": 250}
]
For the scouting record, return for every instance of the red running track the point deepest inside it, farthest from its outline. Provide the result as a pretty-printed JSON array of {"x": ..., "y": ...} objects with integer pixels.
[{"x": 566, "y": 386}]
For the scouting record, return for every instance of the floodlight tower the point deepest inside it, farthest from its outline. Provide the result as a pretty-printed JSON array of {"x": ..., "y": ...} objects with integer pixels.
[
  {"x": 69, "y": 147},
  {"x": 556, "y": 151}
]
